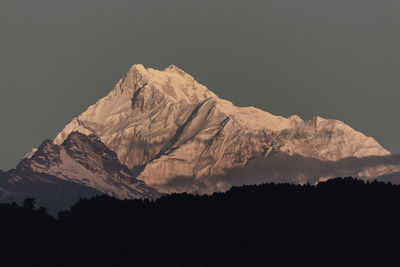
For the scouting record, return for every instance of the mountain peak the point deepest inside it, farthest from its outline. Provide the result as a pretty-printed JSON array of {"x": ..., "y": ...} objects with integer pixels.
[
  {"x": 85, "y": 160},
  {"x": 142, "y": 69},
  {"x": 171, "y": 83},
  {"x": 173, "y": 67},
  {"x": 137, "y": 67},
  {"x": 166, "y": 124},
  {"x": 77, "y": 136}
]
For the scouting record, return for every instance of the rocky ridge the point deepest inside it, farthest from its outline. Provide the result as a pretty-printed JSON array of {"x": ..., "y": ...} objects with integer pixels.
[
  {"x": 57, "y": 176},
  {"x": 87, "y": 161}
]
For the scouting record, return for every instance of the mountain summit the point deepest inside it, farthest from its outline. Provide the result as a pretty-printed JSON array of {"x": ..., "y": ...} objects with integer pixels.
[
  {"x": 59, "y": 175},
  {"x": 164, "y": 125}
]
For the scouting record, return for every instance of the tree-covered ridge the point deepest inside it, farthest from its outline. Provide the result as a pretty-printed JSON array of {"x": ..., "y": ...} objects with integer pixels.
[{"x": 341, "y": 222}]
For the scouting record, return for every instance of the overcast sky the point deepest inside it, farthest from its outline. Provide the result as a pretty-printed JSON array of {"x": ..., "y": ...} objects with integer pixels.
[{"x": 337, "y": 59}]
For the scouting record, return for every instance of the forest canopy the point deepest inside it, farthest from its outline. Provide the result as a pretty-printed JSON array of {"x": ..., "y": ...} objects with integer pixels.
[{"x": 340, "y": 222}]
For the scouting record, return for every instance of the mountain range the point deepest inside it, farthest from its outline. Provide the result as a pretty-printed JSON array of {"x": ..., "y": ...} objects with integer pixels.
[{"x": 162, "y": 131}]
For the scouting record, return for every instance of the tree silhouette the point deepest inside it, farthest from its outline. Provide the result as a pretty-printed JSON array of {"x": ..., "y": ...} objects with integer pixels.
[
  {"x": 29, "y": 203},
  {"x": 341, "y": 222}
]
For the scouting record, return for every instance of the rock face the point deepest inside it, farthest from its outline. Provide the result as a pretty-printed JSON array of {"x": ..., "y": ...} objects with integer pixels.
[{"x": 164, "y": 124}]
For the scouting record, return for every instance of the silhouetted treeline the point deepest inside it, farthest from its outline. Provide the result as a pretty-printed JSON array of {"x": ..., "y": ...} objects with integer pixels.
[{"x": 341, "y": 222}]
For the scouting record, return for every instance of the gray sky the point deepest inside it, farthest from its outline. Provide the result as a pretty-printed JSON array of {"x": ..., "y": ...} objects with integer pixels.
[{"x": 337, "y": 59}]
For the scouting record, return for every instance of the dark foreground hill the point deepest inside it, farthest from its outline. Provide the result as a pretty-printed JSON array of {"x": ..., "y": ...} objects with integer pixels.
[{"x": 341, "y": 222}]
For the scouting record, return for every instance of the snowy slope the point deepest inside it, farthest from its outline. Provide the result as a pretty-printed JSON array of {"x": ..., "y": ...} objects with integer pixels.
[
  {"x": 164, "y": 124},
  {"x": 87, "y": 161}
]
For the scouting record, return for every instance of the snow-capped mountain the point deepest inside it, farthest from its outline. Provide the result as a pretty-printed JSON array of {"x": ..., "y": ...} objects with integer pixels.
[
  {"x": 164, "y": 125},
  {"x": 58, "y": 175},
  {"x": 86, "y": 160}
]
